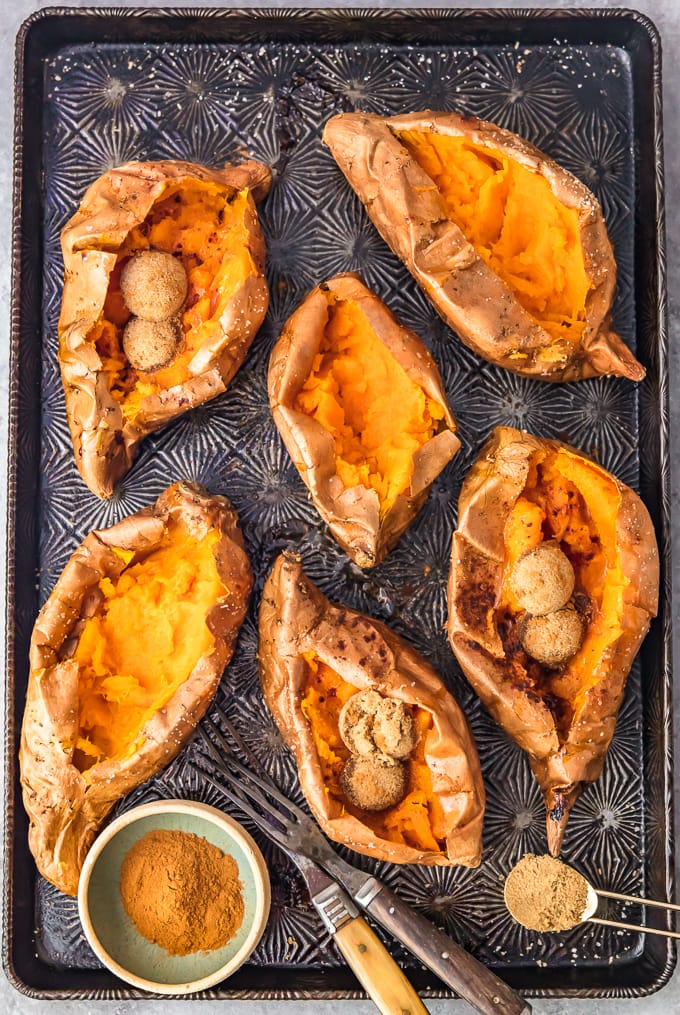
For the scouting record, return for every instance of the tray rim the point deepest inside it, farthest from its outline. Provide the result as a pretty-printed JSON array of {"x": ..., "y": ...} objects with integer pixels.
[{"x": 295, "y": 15}]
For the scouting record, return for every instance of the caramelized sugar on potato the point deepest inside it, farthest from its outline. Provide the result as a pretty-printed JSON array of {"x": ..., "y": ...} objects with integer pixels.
[{"x": 554, "y": 682}]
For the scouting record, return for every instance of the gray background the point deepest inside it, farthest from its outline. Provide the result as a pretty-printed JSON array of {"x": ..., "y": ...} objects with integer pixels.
[{"x": 666, "y": 15}]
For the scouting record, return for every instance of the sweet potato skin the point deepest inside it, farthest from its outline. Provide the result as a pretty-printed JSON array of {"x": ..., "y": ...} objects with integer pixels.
[
  {"x": 409, "y": 213},
  {"x": 66, "y": 806},
  {"x": 295, "y": 617},
  {"x": 104, "y": 439},
  {"x": 353, "y": 515},
  {"x": 561, "y": 763}
]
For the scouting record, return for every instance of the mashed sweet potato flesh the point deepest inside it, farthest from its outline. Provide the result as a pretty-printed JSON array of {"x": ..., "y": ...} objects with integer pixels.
[
  {"x": 574, "y": 502},
  {"x": 417, "y": 821},
  {"x": 205, "y": 227},
  {"x": 143, "y": 641},
  {"x": 377, "y": 415},
  {"x": 516, "y": 224}
]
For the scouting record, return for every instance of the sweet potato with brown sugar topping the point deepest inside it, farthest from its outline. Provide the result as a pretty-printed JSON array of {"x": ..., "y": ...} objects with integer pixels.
[
  {"x": 553, "y": 679},
  {"x": 314, "y": 657},
  {"x": 121, "y": 376}
]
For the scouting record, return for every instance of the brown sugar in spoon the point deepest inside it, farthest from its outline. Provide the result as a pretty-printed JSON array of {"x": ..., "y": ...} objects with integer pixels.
[{"x": 547, "y": 895}]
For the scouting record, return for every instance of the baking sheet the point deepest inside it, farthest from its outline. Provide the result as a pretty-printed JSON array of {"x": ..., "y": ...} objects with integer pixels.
[{"x": 97, "y": 88}]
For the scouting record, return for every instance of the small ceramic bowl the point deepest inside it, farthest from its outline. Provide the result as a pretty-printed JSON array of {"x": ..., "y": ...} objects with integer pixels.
[{"x": 112, "y": 934}]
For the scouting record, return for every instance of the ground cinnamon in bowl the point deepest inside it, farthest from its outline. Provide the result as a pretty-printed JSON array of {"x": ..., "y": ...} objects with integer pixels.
[
  {"x": 544, "y": 894},
  {"x": 182, "y": 892}
]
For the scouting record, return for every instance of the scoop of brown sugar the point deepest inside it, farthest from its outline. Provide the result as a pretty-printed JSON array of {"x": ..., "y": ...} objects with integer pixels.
[
  {"x": 544, "y": 894},
  {"x": 371, "y": 724},
  {"x": 150, "y": 345},
  {"x": 554, "y": 638},
  {"x": 374, "y": 784},
  {"x": 542, "y": 579},
  {"x": 154, "y": 285}
]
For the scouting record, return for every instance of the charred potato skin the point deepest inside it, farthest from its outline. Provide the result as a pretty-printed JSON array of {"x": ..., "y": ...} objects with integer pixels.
[
  {"x": 64, "y": 806},
  {"x": 353, "y": 516},
  {"x": 296, "y": 617},
  {"x": 104, "y": 441},
  {"x": 561, "y": 766},
  {"x": 409, "y": 213}
]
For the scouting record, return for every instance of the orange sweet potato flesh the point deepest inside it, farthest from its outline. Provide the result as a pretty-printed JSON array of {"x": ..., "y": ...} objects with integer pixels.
[
  {"x": 522, "y": 491},
  {"x": 205, "y": 227},
  {"x": 126, "y": 655},
  {"x": 378, "y": 416},
  {"x": 417, "y": 821},
  {"x": 314, "y": 655},
  {"x": 514, "y": 219},
  {"x": 361, "y": 407},
  {"x": 147, "y": 635},
  {"x": 205, "y": 218}
]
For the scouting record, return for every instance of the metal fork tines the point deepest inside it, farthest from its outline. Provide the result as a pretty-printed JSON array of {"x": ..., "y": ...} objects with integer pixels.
[
  {"x": 258, "y": 796},
  {"x": 253, "y": 791}
]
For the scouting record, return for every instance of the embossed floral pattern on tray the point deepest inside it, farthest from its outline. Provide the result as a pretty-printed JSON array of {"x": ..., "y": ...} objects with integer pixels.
[{"x": 207, "y": 102}]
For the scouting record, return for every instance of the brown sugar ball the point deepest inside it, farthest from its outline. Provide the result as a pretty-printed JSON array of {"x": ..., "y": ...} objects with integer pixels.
[
  {"x": 542, "y": 579},
  {"x": 154, "y": 285},
  {"x": 355, "y": 722},
  {"x": 374, "y": 784},
  {"x": 554, "y": 638},
  {"x": 372, "y": 724},
  {"x": 394, "y": 730},
  {"x": 150, "y": 345}
]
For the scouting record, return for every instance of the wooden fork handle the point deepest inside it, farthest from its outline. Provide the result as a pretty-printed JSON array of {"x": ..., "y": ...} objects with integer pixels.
[
  {"x": 376, "y": 970},
  {"x": 440, "y": 953}
]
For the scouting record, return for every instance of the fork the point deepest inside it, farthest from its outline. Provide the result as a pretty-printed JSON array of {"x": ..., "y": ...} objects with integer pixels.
[
  {"x": 257, "y": 795},
  {"x": 366, "y": 955}
]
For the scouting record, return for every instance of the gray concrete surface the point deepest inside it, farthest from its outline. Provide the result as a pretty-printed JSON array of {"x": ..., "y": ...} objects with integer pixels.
[{"x": 666, "y": 15}]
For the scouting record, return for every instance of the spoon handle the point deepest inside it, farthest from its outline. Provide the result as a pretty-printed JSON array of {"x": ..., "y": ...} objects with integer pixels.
[
  {"x": 635, "y": 926},
  {"x": 636, "y": 899}
]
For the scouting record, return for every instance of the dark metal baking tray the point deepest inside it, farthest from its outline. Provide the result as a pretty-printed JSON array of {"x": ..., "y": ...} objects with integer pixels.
[{"x": 97, "y": 87}]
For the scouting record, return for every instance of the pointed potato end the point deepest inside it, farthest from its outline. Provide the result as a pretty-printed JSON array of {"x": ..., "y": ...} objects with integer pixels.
[{"x": 558, "y": 804}]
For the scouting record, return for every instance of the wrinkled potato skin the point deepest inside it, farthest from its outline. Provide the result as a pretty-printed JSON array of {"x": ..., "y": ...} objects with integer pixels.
[
  {"x": 561, "y": 766},
  {"x": 353, "y": 516},
  {"x": 104, "y": 441},
  {"x": 410, "y": 215},
  {"x": 66, "y": 807},
  {"x": 296, "y": 617}
]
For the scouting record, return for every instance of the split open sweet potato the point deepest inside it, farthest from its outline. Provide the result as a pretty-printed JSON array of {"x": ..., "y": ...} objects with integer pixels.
[
  {"x": 526, "y": 504},
  {"x": 511, "y": 248},
  {"x": 315, "y": 657},
  {"x": 125, "y": 657},
  {"x": 361, "y": 407},
  {"x": 206, "y": 220}
]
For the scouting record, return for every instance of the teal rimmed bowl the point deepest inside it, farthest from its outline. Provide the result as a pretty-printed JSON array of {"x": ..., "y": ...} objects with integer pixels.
[{"x": 112, "y": 934}]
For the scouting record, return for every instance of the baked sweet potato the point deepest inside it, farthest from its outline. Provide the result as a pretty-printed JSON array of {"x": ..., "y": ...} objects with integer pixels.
[
  {"x": 316, "y": 657},
  {"x": 361, "y": 407},
  {"x": 203, "y": 221},
  {"x": 548, "y": 648},
  {"x": 125, "y": 657},
  {"x": 511, "y": 249}
]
